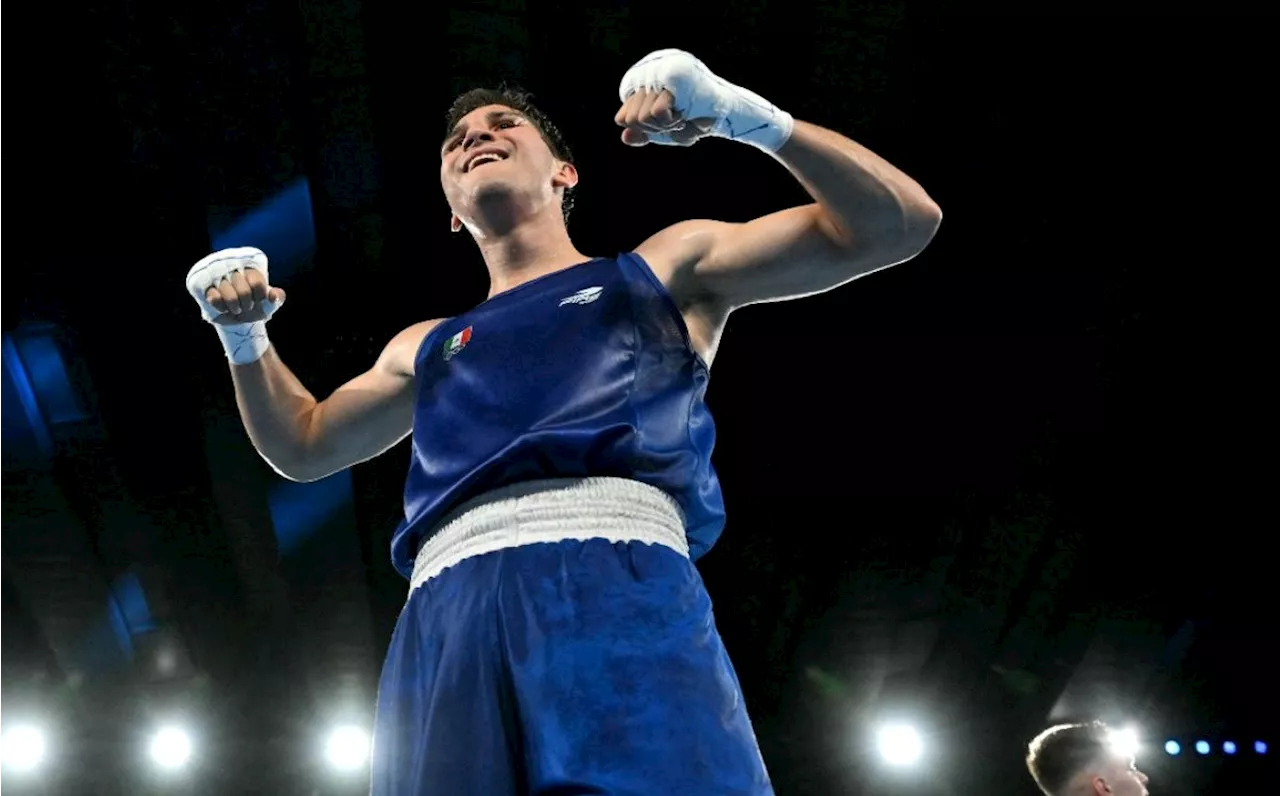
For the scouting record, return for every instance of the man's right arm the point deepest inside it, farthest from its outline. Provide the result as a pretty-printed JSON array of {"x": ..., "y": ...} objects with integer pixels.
[
  {"x": 301, "y": 438},
  {"x": 304, "y": 439}
]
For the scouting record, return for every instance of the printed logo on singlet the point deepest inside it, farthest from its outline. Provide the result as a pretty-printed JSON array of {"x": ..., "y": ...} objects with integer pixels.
[
  {"x": 584, "y": 296},
  {"x": 456, "y": 343}
]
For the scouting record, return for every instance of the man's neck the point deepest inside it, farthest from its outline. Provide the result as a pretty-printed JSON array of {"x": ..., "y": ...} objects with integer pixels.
[{"x": 526, "y": 252}]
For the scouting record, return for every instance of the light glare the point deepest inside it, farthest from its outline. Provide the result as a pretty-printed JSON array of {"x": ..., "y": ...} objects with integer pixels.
[
  {"x": 1125, "y": 742},
  {"x": 900, "y": 745},
  {"x": 348, "y": 748},
  {"x": 23, "y": 748},
  {"x": 171, "y": 748}
]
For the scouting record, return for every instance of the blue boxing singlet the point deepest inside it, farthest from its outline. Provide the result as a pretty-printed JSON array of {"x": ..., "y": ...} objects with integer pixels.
[{"x": 583, "y": 372}]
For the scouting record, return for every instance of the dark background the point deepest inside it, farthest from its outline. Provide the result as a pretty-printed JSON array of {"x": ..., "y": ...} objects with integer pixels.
[{"x": 1007, "y": 483}]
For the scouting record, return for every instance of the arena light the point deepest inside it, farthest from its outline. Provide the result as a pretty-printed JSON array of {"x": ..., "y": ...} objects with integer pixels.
[
  {"x": 1229, "y": 747},
  {"x": 347, "y": 748},
  {"x": 1260, "y": 747},
  {"x": 171, "y": 748},
  {"x": 24, "y": 748},
  {"x": 1124, "y": 742},
  {"x": 899, "y": 744},
  {"x": 1202, "y": 747},
  {"x": 1173, "y": 747}
]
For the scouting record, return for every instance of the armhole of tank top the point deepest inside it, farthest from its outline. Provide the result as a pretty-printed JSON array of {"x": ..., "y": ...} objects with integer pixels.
[
  {"x": 422, "y": 347},
  {"x": 642, "y": 266}
]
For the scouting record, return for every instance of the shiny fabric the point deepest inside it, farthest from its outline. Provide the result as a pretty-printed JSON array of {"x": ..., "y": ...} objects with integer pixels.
[
  {"x": 574, "y": 667},
  {"x": 584, "y": 372}
]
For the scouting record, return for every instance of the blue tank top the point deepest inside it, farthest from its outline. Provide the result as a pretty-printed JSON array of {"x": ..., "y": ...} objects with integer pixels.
[{"x": 582, "y": 372}]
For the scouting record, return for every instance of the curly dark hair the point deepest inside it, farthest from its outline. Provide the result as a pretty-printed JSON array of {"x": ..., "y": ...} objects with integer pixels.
[
  {"x": 1059, "y": 753},
  {"x": 520, "y": 101}
]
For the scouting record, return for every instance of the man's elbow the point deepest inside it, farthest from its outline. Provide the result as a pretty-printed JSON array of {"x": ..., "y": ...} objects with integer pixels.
[
  {"x": 300, "y": 468},
  {"x": 922, "y": 225}
]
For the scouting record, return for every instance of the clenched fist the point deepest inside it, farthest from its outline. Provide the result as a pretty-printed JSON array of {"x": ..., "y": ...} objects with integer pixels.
[
  {"x": 241, "y": 296},
  {"x": 234, "y": 292},
  {"x": 231, "y": 287},
  {"x": 646, "y": 113},
  {"x": 670, "y": 97}
]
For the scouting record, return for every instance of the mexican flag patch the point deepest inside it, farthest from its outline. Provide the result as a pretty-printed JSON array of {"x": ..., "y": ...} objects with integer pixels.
[{"x": 456, "y": 343}]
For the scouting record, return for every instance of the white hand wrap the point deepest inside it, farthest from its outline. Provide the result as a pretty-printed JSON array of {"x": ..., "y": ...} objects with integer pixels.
[
  {"x": 739, "y": 114},
  {"x": 244, "y": 342}
]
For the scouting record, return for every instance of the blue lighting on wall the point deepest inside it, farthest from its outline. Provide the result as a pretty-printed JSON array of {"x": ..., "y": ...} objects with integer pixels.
[
  {"x": 37, "y": 396},
  {"x": 298, "y": 511},
  {"x": 24, "y": 427},
  {"x": 48, "y": 375},
  {"x": 128, "y": 612},
  {"x": 282, "y": 227}
]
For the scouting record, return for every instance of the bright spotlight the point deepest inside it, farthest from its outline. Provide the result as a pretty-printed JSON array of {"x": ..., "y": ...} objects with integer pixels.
[
  {"x": 23, "y": 748},
  {"x": 348, "y": 748},
  {"x": 1173, "y": 747},
  {"x": 1125, "y": 742},
  {"x": 900, "y": 745},
  {"x": 1229, "y": 747},
  {"x": 171, "y": 748},
  {"x": 1202, "y": 747},
  {"x": 1260, "y": 747}
]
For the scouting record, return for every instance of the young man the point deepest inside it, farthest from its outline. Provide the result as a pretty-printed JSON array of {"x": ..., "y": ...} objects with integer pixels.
[
  {"x": 557, "y": 637},
  {"x": 1080, "y": 760}
]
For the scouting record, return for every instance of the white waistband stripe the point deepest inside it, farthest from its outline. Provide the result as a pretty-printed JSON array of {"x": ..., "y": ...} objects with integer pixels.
[{"x": 616, "y": 509}]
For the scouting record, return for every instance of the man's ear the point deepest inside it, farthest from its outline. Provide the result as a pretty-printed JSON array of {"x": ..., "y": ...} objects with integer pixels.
[{"x": 566, "y": 176}]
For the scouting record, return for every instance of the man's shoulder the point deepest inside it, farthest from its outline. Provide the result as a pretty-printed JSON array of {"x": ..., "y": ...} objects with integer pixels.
[
  {"x": 400, "y": 353},
  {"x": 674, "y": 254}
]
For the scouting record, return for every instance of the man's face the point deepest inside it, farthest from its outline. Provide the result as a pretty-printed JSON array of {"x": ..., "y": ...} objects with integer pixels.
[
  {"x": 496, "y": 159},
  {"x": 1122, "y": 777}
]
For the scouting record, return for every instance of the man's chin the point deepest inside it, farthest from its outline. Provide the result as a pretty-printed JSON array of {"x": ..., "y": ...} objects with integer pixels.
[{"x": 496, "y": 188}]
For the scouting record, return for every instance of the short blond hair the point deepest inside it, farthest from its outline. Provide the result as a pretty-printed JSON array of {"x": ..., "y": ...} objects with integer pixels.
[{"x": 1061, "y": 752}]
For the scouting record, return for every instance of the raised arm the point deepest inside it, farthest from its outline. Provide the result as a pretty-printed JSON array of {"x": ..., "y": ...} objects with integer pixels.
[
  {"x": 866, "y": 214},
  {"x": 301, "y": 438},
  {"x": 304, "y": 439}
]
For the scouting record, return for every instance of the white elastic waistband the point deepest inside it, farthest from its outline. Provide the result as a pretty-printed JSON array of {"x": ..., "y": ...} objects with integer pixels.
[{"x": 616, "y": 509}]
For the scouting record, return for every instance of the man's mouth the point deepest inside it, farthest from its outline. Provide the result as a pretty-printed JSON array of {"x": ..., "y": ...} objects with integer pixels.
[{"x": 484, "y": 158}]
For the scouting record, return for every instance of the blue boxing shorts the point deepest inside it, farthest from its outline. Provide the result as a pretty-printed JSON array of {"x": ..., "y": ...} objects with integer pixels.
[{"x": 558, "y": 640}]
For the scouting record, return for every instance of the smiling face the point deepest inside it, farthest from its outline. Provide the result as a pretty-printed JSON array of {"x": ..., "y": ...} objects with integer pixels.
[{"x": 496, "y": 169}]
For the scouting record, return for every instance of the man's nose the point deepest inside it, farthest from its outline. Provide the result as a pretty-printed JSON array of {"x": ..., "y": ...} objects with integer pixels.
[{"x": 475, "y": 136}]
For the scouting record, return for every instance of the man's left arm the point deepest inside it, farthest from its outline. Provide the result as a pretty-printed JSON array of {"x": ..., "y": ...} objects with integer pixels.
[{"x": 867, "y": 214}]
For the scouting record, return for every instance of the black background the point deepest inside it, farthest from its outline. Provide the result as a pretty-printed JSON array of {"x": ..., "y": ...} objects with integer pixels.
[{"x": 1018, "y": 479}]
